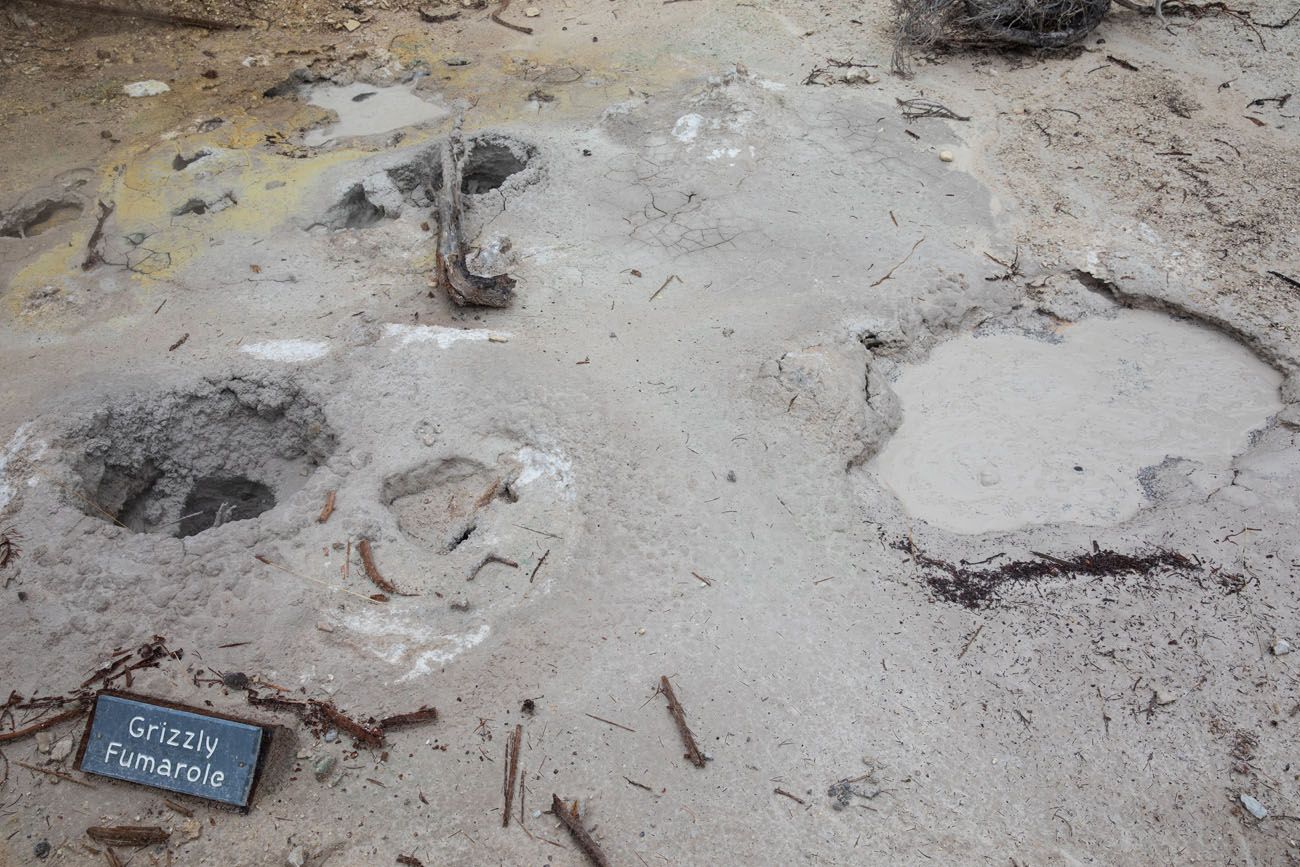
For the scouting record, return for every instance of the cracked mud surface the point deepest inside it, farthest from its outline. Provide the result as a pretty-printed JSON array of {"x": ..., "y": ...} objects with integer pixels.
[{"x": 672, "y": 434}]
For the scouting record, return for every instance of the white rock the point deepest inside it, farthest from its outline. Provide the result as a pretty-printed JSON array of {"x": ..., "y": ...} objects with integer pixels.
[
  {"x": 946, "y": 156},
  {"x": 297, "y": 857},
  {"x": 150, "y": 87},
  {"x": 532, "y": 12},
  {"x": 1281, "y": 647},
  {"x": 1255, "y": 808},
  {"x": 43, "y": 741},
  {"x": 61, "y": 749}
]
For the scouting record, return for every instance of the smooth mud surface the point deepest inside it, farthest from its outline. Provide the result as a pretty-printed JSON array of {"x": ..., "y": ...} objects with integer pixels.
[
  {"x": 365, "y": 109},
  {"x": 1005, "y": 430}
]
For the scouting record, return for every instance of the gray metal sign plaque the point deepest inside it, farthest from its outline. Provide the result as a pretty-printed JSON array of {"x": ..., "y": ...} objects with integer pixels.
[{"x": 168, "y": 747}]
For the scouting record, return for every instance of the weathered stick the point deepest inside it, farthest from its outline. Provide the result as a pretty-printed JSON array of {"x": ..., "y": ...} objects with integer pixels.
[
  {"x": 512, "y": 773},
  {"x": 93, "y": 256},
  {"x": 328, "y": 508},
  {"x": 423, "y": 715},
  {"x": 496, "y": 16},
  {"x": 461, "y": 286},
  {"x": 129, "y": 835},
  {"x": 569, "y": 816},
  {"x": 41, "y": 726},
  {"x": 679, "y": 716},
  {"x": 491, "y": 558},
  {"x": 372, "y": 571}
]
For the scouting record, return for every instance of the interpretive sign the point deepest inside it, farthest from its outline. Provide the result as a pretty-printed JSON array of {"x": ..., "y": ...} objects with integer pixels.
[{"x": 173, "y": 747}]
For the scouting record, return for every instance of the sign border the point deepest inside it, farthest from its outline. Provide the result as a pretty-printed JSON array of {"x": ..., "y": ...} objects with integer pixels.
[{"x": 268, "y": 733}]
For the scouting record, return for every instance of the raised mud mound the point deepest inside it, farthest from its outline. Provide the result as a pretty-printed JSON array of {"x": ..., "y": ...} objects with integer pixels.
[{"x": 184, "y": 462}]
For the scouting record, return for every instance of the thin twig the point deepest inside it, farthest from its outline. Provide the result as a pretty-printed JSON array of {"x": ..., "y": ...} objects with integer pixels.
[
  {"x": 539, "y": 565},
  {"x": 496, "y": 16},
  {"x": 890, "y": 272},
  {"x": 671, "y": 278},
  {"x": 259, "y": 558},
  {"x": 53, "y": 773},
  {"x": 679, "y": 716},
  {"x": 1285, "y": 279},
  {"x": 609, "y": 722},
  {"x": 512, "y": 773},
  {"x": 491, "y": 558},
  {"x": 178, "y": 808},
  {"x": 969, "y": 641},
  {"x": 795, "y": 798}
]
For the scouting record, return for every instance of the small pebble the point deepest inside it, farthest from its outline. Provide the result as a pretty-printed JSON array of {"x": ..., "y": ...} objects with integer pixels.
[
  {"x": 297, "y": 857},
  {"x": 532, "y": 12},
  {"x": 324, "y": 765},
  {"x": 456, "y": 61},
  {"x": 331, "y": 736},
  {"x": 1281, "y": 647},
  {"x": 946, "y": 156},
  {"x": 151, "y": 87},
  {"x": 41, "y": 849}
]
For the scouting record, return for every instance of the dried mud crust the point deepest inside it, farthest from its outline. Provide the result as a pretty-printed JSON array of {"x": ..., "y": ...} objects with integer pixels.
[{"x": 183, "y": 462}]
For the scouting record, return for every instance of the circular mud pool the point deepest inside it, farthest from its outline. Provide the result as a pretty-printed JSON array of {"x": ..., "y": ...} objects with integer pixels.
[{"x": 1006, "y": 430}]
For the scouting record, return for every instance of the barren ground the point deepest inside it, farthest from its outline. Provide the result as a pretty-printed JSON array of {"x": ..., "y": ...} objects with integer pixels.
[{"x": 678, "y": 413}]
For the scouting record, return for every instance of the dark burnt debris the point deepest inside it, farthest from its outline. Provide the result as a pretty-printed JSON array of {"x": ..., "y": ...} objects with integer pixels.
[{"x": 974, "y": 588}]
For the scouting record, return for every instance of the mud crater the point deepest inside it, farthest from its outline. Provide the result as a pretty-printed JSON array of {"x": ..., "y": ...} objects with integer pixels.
[
  {"x": 440, "y": 504},
  {"x": 1056, "y": 421},
  {"x": 492, "y": 162},
  {"x": 184, "y": 462},
  {"x": 28, "y": 221}
]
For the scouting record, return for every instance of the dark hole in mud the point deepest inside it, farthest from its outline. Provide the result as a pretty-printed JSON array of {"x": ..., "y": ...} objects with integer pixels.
[
  {"x": 220, "y": 500},
  {"x": 461, "y": 537},
  {"x": 362, "y": 97},
  {"x": 199, "y": 206},
  {"x": 181, "y": 162},
  {"x": 34, "y": 219},
  {"x": 193, "y": 206},
  {"x": 355, "y": 211},
  {"x": 488, "y": 166},
  {"x": 181, "y": 463}
]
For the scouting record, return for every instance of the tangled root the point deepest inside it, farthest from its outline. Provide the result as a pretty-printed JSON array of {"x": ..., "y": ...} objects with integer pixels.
[{"x": 1036, "y": 23}]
